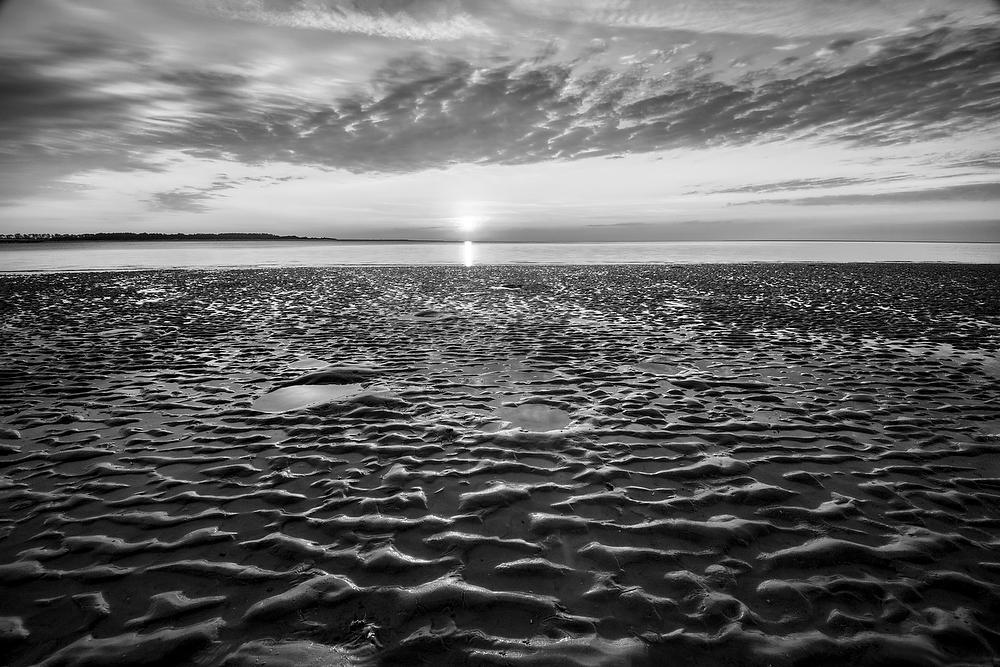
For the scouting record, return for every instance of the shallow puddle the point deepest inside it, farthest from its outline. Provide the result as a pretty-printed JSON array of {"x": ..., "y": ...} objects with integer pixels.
[
  {"x": 309, "y": 362},
  {"x": 303, "y": 396},
  {"x": 535, "y": 417}
]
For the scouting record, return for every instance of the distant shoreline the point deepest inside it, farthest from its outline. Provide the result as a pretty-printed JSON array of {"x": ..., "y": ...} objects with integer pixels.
[
  {"x": 118, "y": 237},
  {"x": 143, "y": 237}
]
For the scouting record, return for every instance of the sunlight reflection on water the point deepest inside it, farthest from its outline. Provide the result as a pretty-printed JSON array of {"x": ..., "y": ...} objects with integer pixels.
[{"x": 468, "y": 254}]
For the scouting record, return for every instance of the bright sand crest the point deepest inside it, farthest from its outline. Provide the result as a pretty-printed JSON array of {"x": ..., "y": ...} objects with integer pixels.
[{"x": 741, "y": 465}]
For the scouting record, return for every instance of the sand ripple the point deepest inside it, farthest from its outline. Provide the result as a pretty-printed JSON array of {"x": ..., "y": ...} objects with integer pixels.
[{"x": 745, "y": 465}]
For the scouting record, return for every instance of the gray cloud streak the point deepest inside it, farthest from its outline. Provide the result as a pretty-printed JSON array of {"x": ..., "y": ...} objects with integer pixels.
[{"x": 970, "y": 192}]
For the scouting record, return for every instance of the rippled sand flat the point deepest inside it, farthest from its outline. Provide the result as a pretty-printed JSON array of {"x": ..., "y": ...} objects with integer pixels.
[{"x": 701, "y": 465}]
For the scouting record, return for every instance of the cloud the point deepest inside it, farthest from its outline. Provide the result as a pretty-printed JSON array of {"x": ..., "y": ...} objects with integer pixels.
[
  {"x": 379, "y": 18},
  {"x": 799, "y": 184},
  {"x": 785, "y": 18},
  {"x": 91, "y": 99},
  {"x": 189, "y": 201},
  {"x": 196, "y": 198},
  {"x": 427, "y": 113},
  {"x": 956, "y": 193}
]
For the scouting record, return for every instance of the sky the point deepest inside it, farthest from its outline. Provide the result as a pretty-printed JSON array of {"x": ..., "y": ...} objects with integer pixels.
[{"x": 512, "y": 120}]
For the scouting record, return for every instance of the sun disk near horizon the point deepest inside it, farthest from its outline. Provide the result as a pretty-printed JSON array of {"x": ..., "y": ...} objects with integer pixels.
[{"x": 468, "y": 223}]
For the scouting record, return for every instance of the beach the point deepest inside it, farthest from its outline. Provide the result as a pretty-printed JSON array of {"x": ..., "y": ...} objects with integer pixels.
[{"x": 502, "y": 465}]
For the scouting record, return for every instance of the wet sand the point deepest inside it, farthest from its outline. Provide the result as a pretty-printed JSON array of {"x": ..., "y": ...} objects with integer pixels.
[{"x": 699, "y": 465}]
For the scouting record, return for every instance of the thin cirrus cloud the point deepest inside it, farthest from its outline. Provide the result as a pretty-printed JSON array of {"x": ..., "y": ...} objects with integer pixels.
[
  {"x": 454, "y": 19},
  {"x": 964, "y": 192},
  {"x": 395, "y": 20},
  {"x": 394, "y": 87},
  {"x": 782, "y": 18}
]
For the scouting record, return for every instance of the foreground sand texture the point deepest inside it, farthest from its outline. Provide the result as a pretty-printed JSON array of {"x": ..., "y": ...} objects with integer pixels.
[{"x": 702, "y": 465}]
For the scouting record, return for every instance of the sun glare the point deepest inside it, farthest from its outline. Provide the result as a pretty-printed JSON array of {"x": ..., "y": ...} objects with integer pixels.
[{"x": 468, "y": 223}]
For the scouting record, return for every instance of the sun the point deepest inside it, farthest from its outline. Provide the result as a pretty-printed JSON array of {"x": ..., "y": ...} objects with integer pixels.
[
  {"x": 468, "y": 217},
  {"x": 468, "y": 223}
]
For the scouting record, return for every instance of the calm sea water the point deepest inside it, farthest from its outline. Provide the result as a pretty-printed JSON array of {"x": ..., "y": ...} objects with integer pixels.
[{"x": 210, "y": 254}]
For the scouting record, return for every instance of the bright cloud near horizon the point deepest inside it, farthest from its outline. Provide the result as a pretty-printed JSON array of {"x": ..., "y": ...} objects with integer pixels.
[{"x": 503, "y": 119}]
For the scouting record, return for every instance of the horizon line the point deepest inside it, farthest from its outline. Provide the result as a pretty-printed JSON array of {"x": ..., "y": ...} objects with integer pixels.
[{"x": 189, "y": 237}]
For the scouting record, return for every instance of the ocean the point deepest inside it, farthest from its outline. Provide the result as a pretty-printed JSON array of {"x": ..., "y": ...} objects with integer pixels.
[{"x": 114, "y": 256}]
